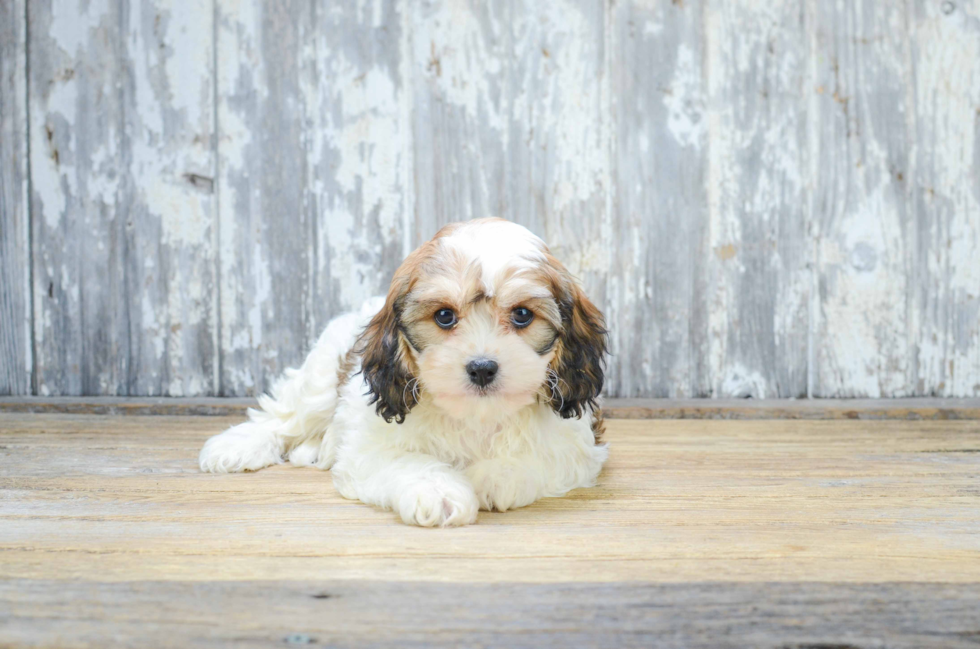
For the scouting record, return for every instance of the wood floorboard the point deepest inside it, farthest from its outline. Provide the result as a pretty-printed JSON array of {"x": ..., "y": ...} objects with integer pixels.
[
  {"x": 914, "y": 408},
  {"x": 426, "y": 614},
  {"x": 781, "y": 533}
]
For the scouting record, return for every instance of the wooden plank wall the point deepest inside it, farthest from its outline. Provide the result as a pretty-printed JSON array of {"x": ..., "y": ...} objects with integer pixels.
[
  {"x": 768, "y": 199},
  {"x": 16, "y": 354}
]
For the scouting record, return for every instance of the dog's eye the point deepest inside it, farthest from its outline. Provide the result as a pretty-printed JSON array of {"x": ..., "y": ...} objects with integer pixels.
[
  {"x": 445, "y": 318},
  {"x": 521, "y": 317}
]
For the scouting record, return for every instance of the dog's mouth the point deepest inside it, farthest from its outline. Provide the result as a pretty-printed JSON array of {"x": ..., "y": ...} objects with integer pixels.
[{"x": 485, "y": 391}]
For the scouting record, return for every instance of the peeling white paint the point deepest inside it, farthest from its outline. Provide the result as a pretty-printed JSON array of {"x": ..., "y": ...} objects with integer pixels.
[
  {"x": 740, "y": 382},
  {"x": 361, "y": 152},
  {"x": 461, "y": 62},
  {"x": 262, "y": 288},
  {"x": 562, "y": 97},
  {"x": 759, "y": 284},
  {"x": 520, "y": 108},
  {"x": 684, "y": 100},
  {"x": 651, "y": 28},
  {"x": 865, "y": 306},
  {"x": 73, "y": 22}
]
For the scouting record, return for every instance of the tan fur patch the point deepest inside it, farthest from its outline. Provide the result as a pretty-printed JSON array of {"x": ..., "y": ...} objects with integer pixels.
[
  {"x": 580, "y": 351},
  {"x": 598, "y": 425},
  {"x": 346, "y": 368}
]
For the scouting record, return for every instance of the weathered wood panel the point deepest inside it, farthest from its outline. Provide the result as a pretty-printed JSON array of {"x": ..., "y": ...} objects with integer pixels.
[
  {"x": 16, "y": 356},
  {"x": 657, "y": 275},
  {"x": 266, "y": 215},
  {"x": 767, "y": 199},
  {"x": 511, "y": 119},
  {"x": 461, "y": 113},
  {"x": 95, "y": 498},
  {"x": 361, "y": 152},
  {"x": 377, "y": 614},
  {"x": 121, "y": 171},
  {"x": 558, "y": 165},
  {"x": 912, "y": 408},
  {"x": 314, "y": 174},
  {"x": 860, "y": 141},
  {"x": 945, "y": 291},
  {"x": 758, "y": 262}
]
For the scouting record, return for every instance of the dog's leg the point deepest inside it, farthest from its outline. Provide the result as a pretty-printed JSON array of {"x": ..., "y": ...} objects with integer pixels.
[
  {"x": 506, "y": 483},
  {"x": 420, "y": 488},
  {"x": 568, "y": 460},
  {"x": 250, "y": 446},
  {"x": 292, "y": 421}
]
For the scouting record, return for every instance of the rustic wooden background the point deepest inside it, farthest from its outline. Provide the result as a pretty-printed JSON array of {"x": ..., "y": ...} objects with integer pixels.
[{"x": 769, "y": 198}]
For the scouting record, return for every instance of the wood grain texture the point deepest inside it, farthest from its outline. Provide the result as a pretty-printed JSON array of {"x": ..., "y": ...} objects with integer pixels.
[
  {"x": 314, "y": 148},
  {"x": 945, "y": 294},
  {"x": 860, "y": 141},
  {"x": 700, "y": 534},
  {"x": 361, "y": 152},
  {"x": 423, "y": 614},
  {"x": 16, "y": 354},
  {"x": 657, "y": 278},
  {"x": 767, "y": 199},
  {"x": 758, "y": 263},
  {"x": 121, "y": 172},
  {"x": 121, "y": 499},
  {"x": 265, "y": 53},
  {"x": 912, "y": 409},
  {"x": 510, "y": 114}
]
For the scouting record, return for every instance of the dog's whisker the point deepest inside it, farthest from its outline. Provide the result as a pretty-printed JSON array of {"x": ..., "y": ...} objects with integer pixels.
[
  {"x": 414, "y": 383},
  {"x": 559, "y": 380},
  {"x": 552, "y": 380}
]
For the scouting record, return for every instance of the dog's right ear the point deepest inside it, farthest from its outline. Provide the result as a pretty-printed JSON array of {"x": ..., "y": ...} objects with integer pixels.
[{"x": 383, "y": 360}]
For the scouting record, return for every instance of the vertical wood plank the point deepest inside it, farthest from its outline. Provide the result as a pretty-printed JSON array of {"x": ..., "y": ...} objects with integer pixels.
[
  {"x": 557, "y": 170},
  {"x": 16, "y": 357},
  {"x": 316, "y": 173},
  {"x": 265, "y": 52},
  {"x": 511, "y": 119},
  {"x": 859, "y": 138},
  {"x": 461, "y": 111},
  {"x": 946, "y": 272},
  {"x": 657, "y": 276},
  {"x": 361, "y": 152},
  {"x": 121, "y": 165},
  {"x": 758, "y": 260}
]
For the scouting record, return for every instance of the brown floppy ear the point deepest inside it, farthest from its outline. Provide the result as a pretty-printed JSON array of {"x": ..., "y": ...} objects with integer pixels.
[
  {"x": 580, "y": 353},
  {"x": 384, "y": 363}
]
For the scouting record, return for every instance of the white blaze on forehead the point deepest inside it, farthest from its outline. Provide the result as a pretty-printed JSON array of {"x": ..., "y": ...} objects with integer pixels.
[{"x": 498, "y": 246}]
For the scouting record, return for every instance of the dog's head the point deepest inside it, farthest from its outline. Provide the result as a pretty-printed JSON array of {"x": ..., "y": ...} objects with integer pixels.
[{"x": 483, "y": 321}]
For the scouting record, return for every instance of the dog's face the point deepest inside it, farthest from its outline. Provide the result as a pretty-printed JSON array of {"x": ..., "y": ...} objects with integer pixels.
[{"x": 484, "y": 321}]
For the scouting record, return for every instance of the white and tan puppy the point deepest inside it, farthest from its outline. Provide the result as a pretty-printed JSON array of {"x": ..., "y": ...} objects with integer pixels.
[{"x": 473, "y": 385}]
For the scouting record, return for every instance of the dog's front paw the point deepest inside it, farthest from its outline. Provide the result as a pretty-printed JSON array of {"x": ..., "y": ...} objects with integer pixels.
[
  {"x": 502, "y": 485},
  {"x": 439, "y": 502},
  {"x": 246, "y": 447}
]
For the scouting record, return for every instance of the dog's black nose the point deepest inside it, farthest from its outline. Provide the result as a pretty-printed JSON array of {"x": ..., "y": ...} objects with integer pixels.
[{"x": 482, "y": 371}]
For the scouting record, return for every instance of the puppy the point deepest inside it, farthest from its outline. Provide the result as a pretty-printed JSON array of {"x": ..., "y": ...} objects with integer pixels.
[{"x": 473, "y": 385}]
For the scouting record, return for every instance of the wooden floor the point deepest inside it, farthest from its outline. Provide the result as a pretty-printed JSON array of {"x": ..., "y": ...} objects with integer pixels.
[{"x": 702, "y": 533}]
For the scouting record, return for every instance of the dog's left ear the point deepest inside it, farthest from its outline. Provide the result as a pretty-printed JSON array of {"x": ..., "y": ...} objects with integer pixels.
[
  {"x": 383, "y": 361},
  {"x": 580, "y": 353}
]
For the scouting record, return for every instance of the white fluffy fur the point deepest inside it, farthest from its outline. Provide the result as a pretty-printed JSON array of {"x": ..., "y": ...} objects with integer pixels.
[{"x": 452, "y": 456}]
